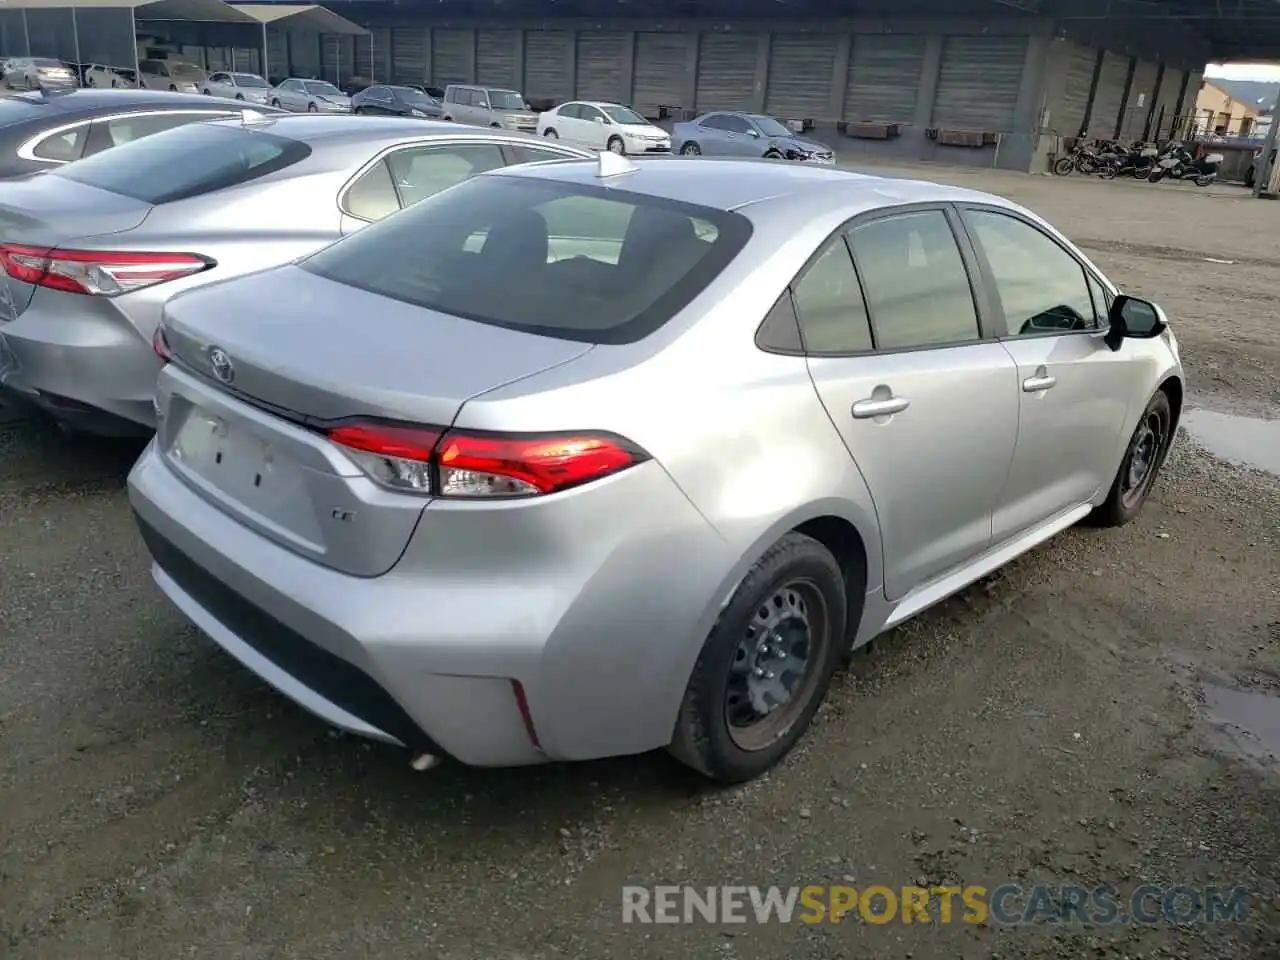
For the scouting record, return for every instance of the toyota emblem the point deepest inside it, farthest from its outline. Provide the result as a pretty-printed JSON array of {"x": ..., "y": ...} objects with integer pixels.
[{"x": 223, "y": 369}]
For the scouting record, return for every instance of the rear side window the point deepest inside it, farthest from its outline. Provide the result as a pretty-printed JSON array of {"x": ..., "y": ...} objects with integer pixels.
[
  {"x": 828, "y": 301},
  {"x": 421, "y": 172},
  {"x": 578, "y": 262},
  {"x": 915, "y": 280},
  {"x": 63, "y": 147},
  {"x": 187, "y": 161}
]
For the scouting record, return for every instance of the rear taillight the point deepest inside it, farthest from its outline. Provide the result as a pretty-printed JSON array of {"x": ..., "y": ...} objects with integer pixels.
[
  {"x": 160, "y": 344},
  {"x": 102, "y": 273},
  {"x": 460, "y": 463}
]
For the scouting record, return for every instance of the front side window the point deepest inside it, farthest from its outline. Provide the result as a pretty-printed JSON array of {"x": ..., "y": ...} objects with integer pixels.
[
  {"x": 771, "y": 127},
  {"x": 587, "y": 263},
  {"x": 915, "y": 280},
  {"x": 829, "y": 305},
  {"x": 1042, "y": 288},
  {"x": 736, "y": 125},
  {"x": 421, "y": 172},
  {"x": 590, "y": 113}
]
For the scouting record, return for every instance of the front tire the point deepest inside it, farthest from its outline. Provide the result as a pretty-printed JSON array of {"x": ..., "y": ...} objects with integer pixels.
[
  {"x": 550, "y": 133},
  {"x": 766, "y": 666},
  {"x": 773, "y": 155},
  {"x": 1143, "y": 458},
  {"x": 616, "y": 145},
  {"x": 690, "y": 150},
  {"x": 312, "y": 108},
  {"x": 276, "y": 104},
  {"x": 1155, "y": 176}
]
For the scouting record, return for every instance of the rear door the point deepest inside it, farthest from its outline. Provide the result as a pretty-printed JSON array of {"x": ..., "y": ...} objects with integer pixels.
[
  {"x": 925, "y": 401},
  {"x": 1074, "y": 390}
]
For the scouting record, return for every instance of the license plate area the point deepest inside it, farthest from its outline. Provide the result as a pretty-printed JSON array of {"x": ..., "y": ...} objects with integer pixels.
[{"x": 243, "y": 466}]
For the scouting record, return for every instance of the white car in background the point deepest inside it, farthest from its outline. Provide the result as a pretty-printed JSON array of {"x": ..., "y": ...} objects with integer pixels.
[
  {"x": 237, "y": 85},
  {"x": 176, "y": 75},
  {"x": 603, "y": 126}
]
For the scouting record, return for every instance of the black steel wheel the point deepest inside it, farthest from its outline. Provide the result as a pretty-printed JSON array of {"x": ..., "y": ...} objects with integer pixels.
[
  {"x": 765, "y": 668},
  {"x": 1143, "y": 458}
]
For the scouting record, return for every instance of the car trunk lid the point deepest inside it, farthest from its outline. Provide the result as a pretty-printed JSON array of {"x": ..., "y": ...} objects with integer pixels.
[
  {"x": 266, "y": 363},
  {"x": 42, "y": 210}
]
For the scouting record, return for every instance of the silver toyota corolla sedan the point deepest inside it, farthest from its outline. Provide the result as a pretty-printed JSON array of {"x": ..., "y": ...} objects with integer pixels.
[
  {"x": 586, "y": 458},
  {"x": 90, "y": 252}
]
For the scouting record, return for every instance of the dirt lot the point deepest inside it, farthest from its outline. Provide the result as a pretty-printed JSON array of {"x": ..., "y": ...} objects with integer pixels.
[{"x": 1047, "y": 726}]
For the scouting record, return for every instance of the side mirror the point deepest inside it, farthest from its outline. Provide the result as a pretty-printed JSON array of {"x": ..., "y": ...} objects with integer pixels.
[
  {"x": 1135, "y": 319},
  {"x": 601, "y": 121},
  {"x": 753, "y": 132}
]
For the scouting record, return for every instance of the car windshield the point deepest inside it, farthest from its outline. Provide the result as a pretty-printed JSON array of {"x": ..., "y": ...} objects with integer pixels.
[
  {"x": 410, "y": 95},
  {"x": 248, "y": 80},
  {"x": 322, "y": 89},
  {"x": 184, "y": 70},
  {"x": 623, "y": 115},
  {"x": 770, "y": 127},
  {"x": 185, "y": 161},
  {"x": 505, "y": 100},
  {"x": 590, "y": 263}
]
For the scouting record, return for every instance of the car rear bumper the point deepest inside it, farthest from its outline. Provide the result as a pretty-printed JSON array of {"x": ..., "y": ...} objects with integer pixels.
[
  {"x": 431, "y": 661},
  {"x": 85, "y": 364}
]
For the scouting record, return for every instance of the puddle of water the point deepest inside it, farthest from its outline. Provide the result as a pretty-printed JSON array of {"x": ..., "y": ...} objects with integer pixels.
[
  {"x": 1251, "y": 721},
  {"x": 1244, "y": 440}
]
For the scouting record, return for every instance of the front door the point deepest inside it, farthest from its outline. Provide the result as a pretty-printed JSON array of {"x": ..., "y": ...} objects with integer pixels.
[
  {"x": 926, "y": 406},
  {"x": 1074, "y": 390}
]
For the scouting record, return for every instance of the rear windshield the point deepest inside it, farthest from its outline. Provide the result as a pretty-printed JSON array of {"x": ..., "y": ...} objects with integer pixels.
[
  {"x": 249, "y": 80},
  {"x": 577, "y": 262},
  {"x": 185, "y": 161},
  {"x": 44, "y": 62}
]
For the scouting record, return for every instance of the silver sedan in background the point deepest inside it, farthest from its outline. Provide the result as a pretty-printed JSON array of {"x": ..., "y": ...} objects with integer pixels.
[
  {"x": 467, "y": 481},
  {"x": 236, "y": 86},
  {"x": 91, "y": 251},
  {"x": 309, "y": 96}
]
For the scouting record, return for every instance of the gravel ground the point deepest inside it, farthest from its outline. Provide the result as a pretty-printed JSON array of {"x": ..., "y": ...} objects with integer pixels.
[{"x": 1049, "y": 725}]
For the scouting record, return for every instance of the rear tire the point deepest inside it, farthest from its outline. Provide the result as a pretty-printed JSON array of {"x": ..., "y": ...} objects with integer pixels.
[
  {"x": 795, "y": 595},
  {"x": 550, "y": 133},
  {"x": 1143, "y": 458},
  {"x": 1063, "y": 166},
  {"x": 772, "y": 155},
  {"x": 1155, "y": 176},
  {"x": 276, "y": 104},
  {"x": 311, "y": 108}
]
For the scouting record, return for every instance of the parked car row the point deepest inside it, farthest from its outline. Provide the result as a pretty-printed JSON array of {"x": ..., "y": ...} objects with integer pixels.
[{"x": 392, "y": 369}]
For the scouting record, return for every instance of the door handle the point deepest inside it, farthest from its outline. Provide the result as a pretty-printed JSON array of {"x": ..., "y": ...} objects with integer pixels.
[
  {"x": 869, "y": 409},
  {"x": 1038, "y": 383}
]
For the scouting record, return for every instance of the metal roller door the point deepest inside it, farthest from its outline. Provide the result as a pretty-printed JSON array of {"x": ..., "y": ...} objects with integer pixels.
[
  {"x": 1109, "y": 96},
  {"x": 337, "y": 56},
  {"x": 548, "y": 65},
  {"x": 246, "y": 58},
  {"x": 801, "y": 66},
  {"x": 451, "y": 53},
  {"x": 496, "y": 58},
  {"x": 409, "y": 54},
  {"x": 661, "y": 60},
  {"x": 884, "y": 78},
  {"x": 599, "y": 70},
  {"x": 277, "y": 57},
  {"x": 726, "y": 71},
  {"x": 1138, "y": 105},
  {"x": 1166, "y": 104},
  {"x": 1075, "y": 97},
  {"x": 978, "y": 83}
]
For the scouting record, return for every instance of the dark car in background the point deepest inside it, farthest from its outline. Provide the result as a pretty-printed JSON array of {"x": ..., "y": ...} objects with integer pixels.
[
  {"x": 42, "y": 130},
  {"x": 388, "y": 100}
]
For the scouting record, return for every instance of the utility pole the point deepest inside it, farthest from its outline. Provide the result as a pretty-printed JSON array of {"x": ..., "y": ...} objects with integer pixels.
[{"x": 1262, "y": 169}]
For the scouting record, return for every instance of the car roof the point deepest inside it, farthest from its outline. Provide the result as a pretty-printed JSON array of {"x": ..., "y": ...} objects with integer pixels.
[
  {"x": 730, "y": 184},
  {"x": 345, "y": 129},
  {"x": 92, "y": 100}
]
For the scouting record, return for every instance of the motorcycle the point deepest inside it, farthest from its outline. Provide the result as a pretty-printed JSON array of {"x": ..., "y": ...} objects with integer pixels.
[
  {"x": 1080, "y": 157},
  {"x": 1178, "y": 163},
  {"x": 1138, "y": 162}
]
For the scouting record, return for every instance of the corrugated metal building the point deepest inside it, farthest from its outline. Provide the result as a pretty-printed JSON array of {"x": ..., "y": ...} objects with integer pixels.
[{"x": 992, "y": 87}]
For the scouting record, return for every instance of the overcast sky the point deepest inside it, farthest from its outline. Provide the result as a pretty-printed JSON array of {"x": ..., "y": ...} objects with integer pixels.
[{"x": 1244, "y": 71}]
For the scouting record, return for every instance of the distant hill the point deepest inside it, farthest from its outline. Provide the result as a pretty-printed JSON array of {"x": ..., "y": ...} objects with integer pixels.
[{"x": 1258, "y": 93}]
